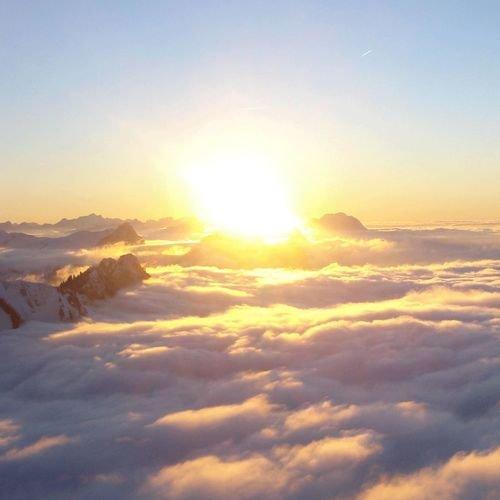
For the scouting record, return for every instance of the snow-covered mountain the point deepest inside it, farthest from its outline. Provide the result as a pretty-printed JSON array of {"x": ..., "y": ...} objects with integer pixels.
[{"x": 22, "y": 301}]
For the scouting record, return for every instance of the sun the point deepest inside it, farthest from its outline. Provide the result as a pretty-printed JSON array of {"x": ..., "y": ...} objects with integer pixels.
[{"x": 242, "y": 195}]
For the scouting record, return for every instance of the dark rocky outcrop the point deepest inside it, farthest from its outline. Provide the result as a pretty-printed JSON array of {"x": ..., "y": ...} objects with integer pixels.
[
  {"x": 12, "y": 314},
  {"x": 105, "y": 279},
  {"x": 338, "y": 223},
  {"x": 124, "y": 233}
]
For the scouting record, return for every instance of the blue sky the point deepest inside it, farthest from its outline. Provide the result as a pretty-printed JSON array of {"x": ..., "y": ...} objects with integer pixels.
[{"x": 389, "y": 110}]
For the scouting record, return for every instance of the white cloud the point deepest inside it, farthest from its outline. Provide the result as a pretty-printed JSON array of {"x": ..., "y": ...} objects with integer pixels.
[
  {"x": 472, "y": 475},
  {"x": 211, "y": 477},
  {"x": 374, "y": 380},
  {"x": 40, "y": 446}
]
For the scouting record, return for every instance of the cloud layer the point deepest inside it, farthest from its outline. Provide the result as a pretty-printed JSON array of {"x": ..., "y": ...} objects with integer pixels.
[{"x": 373, "y": 381}]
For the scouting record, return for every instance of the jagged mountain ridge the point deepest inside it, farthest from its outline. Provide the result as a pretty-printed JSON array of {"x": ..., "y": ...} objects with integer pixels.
[
  {"x": 105, "y": 279},
  {"x": 22, "y": 301}
]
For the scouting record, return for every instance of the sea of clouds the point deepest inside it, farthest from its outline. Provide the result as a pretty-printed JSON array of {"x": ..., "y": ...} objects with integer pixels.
[{"x": 372, "y": 374}]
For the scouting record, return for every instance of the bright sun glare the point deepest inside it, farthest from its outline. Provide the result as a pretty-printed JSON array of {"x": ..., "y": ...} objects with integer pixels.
[{"x": 243, "y": 196}]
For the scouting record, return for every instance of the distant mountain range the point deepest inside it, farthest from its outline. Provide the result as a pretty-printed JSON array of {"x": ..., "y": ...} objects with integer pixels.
[
  {"x": 337, "y": 222},
  {"x": 94, "y": 222},
  {"x": 124, "y": 233},
  {"x": 21, "y": 301}
]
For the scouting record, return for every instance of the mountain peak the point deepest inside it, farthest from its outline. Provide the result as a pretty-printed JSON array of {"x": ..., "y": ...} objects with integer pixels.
[
  {"x": 105, "y": 279},
  {"x": 124, "y": 233},
  {"x": 339, "y": 223}
]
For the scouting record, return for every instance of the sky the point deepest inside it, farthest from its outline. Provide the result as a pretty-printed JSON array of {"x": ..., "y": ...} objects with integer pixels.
[{"x": 385, "y": 110}]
